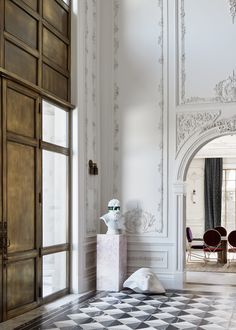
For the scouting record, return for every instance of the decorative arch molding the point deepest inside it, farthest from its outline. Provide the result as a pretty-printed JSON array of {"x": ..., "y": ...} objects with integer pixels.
[
  {"x": 224, "y": 126},
  {"x": 199, "y": 138},
  {"x": 188, "y": 123},
  {"x": 207, "y": 133}
]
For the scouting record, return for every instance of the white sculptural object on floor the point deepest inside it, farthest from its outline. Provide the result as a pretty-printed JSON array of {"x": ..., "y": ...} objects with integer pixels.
[
  {"x": 144, "y": 281},
  {"x": 112, "y": 218}
]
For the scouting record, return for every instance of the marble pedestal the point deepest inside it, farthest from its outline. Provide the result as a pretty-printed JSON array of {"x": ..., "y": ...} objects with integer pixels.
[{"x": 111, "y": 262}]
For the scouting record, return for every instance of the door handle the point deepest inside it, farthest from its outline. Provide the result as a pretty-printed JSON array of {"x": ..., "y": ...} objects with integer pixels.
[{"x": 6, "y": 243}]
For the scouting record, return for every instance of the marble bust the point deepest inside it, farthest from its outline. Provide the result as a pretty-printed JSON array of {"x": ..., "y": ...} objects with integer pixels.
[
  {"x": 112, "y": 217},
  {"x": 144, "y": 281}
]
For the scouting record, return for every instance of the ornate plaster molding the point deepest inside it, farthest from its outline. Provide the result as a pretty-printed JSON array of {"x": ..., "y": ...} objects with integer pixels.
[
  {"x": 232, "y": 9},
  {"x": 226, "y": 89},
  {"x": 223, "y": 126},
  {"x": 138, "y": 221},
  {"x": 188, "y": 123}
]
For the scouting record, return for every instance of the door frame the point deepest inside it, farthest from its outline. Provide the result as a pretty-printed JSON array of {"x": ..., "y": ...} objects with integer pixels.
[{"x": 219, "y": 128}]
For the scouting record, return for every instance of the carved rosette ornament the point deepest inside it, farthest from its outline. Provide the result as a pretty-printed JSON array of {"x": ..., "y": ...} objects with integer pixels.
[
  {"x": 226, "y": 89},
  {"x": 232, "y": 8},
  {"x": 137, "y": 221},
  {"x": 188, "y": 123}
]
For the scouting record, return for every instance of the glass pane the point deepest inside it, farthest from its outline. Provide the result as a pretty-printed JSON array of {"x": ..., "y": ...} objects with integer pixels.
[
  {"x": 55, "y": 198},
  {"x": 223, "y": 186},
  {"x": 230, "y": 175},
  {"x": 230, "y": 185},
  {"x": 55, "y": 125},
  {"x": 223, "y": 175},
  {"x": 54, "y": 273}
]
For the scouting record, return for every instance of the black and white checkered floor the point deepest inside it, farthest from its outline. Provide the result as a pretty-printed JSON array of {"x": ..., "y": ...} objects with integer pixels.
[{"x": 127, "y": 310}]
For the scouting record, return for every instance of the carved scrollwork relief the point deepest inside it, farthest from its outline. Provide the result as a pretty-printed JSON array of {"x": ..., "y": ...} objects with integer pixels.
[
  {"x": 223, "y": 126},
  {"x": 226, "y": 89},
  {"x": 187, "y": 123},
  {"x": 138, "y": 221},
  {"x": 232, "y": 9}
]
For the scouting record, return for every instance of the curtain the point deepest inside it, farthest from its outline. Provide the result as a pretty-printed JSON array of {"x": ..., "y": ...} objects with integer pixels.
[{"x": 212, "y": 192}]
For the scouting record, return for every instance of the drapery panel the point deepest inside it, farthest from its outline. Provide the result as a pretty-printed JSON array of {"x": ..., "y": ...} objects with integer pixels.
[{"x": 212, "y": 191}]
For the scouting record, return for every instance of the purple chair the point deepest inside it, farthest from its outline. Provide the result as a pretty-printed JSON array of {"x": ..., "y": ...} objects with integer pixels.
[
  {"x": 212, "y": 242},
  {"x": 191, "y": 247},
  {"x": 232, "y": 244}
]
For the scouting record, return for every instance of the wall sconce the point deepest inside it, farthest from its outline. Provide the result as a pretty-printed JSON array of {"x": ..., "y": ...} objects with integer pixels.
[
  {"x": 93, "y": 168},
  {"x": 193, "y": 196}
]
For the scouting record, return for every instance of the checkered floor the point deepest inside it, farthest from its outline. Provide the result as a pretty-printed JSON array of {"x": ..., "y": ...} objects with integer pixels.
[{"x": 127, "y": 310}]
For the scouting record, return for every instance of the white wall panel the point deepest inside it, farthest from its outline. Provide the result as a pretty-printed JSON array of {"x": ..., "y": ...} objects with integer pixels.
[
  {"x": 138, "y": 113},
  {"x": 206, "y": 32}
]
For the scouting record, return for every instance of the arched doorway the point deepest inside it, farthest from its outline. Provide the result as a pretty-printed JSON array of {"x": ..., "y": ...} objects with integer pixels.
[
  {"x": 198, "y": 140},
  {"x": 214, "y": 168}
]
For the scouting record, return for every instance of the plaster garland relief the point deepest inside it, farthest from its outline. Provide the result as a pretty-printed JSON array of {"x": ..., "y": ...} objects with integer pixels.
[
  {"x": 188, "y": 123},
  {"x": 225, "y": 90}
]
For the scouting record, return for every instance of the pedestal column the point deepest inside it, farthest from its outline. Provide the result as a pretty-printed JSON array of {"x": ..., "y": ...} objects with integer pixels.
[{"x": 111, "y": 262}]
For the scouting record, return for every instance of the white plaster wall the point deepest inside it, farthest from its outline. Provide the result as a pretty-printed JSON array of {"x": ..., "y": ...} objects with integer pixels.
[
  {"x": 169, "y": 87},
  {"x": 195, "y": 211}
]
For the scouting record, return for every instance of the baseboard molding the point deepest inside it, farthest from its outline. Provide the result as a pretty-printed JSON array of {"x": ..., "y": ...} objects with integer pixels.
[{"x": 172, "y": 281}]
